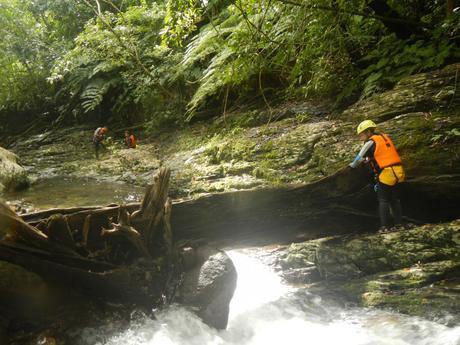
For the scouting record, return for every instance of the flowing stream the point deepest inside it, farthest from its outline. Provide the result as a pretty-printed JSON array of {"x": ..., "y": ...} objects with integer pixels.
[{"x": 265, "y": 311}]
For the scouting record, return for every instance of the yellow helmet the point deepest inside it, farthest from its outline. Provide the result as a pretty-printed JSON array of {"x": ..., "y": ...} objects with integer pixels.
[{"x": 366, "y": 124}]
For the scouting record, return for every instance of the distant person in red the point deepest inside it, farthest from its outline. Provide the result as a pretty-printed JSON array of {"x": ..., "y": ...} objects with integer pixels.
[
  {"x": 98, "y": 137},
  {"x": 130, "y": 140}
]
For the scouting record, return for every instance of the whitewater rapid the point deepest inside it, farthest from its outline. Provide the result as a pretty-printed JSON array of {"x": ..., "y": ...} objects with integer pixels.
[{"x": 265, "y": 311}]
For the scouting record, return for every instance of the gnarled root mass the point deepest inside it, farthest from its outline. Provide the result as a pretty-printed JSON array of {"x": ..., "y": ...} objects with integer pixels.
[{"x": 102, "y": 242}]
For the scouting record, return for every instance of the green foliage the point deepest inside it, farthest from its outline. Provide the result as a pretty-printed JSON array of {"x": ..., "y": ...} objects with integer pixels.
[
  {"x": 119, "y": 66},
  {"x": 180, "y": 20},
  {"x": 22, "y": 53},
  {"x": 255, "y": 39},
  {"x": 34, "y": 34},
  {"x": 93, "y": 94},
  {"x": 167, "y": 61},
  {"x": 446, "y": 136},
  {"x": 393, "y": 59}
]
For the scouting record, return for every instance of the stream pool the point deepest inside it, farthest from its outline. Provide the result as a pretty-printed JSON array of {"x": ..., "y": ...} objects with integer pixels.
[{"x": 69, "y": 192}]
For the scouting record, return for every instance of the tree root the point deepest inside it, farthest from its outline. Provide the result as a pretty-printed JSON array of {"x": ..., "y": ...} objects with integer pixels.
[
  {"x": 147, "y": 229},
  {"x": 124, "y": 228}
]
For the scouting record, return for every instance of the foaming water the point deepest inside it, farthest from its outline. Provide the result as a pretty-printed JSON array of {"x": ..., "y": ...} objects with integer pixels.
[{"x": 265, "y": 311}]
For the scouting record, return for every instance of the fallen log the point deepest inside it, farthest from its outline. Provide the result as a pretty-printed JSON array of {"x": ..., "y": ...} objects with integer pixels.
[
  {"x": 250, "y": 216},
  {"x": 128, "y": 284},
  {"x": 19, "y": 231}
]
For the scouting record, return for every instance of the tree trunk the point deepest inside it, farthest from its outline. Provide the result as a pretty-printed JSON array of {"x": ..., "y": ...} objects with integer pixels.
[{"x": 450, "y": 5}]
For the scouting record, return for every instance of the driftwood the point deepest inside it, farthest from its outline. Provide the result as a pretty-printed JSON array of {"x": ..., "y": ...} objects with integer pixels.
[
  {"x": 151, "y": 214},
  {"x": 58, "y": 231},
  {"x": 85, "y": 246},
  {"x": 20, "y": 231},
  {"x": 124, "y": 228}
]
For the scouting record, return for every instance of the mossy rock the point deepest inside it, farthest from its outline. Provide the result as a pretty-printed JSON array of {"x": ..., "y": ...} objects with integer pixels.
[
  {"x": 427, "y": 290},
  {"x": 21, "y": 291},
  {"x": 420, "y": 92},
  {"x": 12, "y": 175},
  {"x": 300, "y": 146},
  {"x": 353, "y": 256},
  {"x": 414, "y": 272},
  {"x": 356, "y": 256}
]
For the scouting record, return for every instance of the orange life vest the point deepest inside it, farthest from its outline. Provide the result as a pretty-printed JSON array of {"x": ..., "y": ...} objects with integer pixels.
[
  {"x": 385, "y": 154},
  {"x": 132, "y": 139}
]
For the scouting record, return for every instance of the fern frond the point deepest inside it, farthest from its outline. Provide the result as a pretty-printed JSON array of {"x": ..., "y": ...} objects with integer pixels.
[{"x": 94, "y": 93}]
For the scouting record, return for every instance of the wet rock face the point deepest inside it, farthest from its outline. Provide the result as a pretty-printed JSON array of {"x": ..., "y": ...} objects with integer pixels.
[
  {"x": 429, "y": 290},
  {"x": 346, "y": 258},
  {"x": 414, "y": 271},
  {"x": 12, "y": 175},
  {"x": 208, "y": 285},
  {"x": 419, "y": 92},
  {"x": 298, "y": 263},
  {"x": 70, "y": 152},
  {"x": 302, "y": 146}
]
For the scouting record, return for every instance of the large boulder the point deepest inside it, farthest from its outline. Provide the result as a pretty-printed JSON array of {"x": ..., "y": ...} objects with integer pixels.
[
  {"x": 208, "y": 284},
  {"x": 12, "y": 175},
  {"x": 18, "y": 282}
]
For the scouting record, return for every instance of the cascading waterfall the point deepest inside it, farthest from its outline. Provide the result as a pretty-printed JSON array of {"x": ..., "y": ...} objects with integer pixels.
[{"x": 265, "y": 311}]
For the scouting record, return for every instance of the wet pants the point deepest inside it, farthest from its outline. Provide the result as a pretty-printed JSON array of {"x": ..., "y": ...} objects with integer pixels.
[
  {"x": 389, "y": 205},
  {"x": 97, "y": 146}
]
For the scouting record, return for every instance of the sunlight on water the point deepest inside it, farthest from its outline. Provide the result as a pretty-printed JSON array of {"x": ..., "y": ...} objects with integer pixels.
[
  {"x": 74, "y": 192},
  {"x": 264, "y": 311},
  {"x": 256, "y": 286}
]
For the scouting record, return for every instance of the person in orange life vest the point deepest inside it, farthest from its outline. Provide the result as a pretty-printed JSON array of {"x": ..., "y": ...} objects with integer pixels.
[
  {"x": 130, "y": 140},
  {"x": 381, "y": 154},
  {"x": 98, "y": 137}
]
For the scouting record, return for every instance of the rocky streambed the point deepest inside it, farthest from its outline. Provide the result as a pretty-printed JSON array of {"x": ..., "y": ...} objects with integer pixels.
[
  {"x": 256, "y": 183},
  {"x": 292, "y": 144}
]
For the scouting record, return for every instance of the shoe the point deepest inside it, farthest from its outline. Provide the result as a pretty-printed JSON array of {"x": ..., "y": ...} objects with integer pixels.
[
  {"x": 383, "y": 230},
  {"x": 401, "y": 227}
]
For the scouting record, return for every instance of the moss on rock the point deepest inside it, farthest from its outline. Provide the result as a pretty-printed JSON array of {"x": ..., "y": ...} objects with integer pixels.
[
  {"x": 414, "y": 272},
  {"x": 12, "y": 175},
  {"x": 419, "y": 92},
  {"x": 352, "y": 257},
  {"x": 431, "y": 289}
]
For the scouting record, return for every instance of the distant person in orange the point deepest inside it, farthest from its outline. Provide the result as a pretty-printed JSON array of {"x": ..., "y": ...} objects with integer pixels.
[
  {"x": 98, "y": 138},
  {"x": 130, "y": 140}
]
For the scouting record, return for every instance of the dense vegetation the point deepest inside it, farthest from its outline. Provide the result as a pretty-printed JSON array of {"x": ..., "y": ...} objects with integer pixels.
[{"x": 168, "y": 61}]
